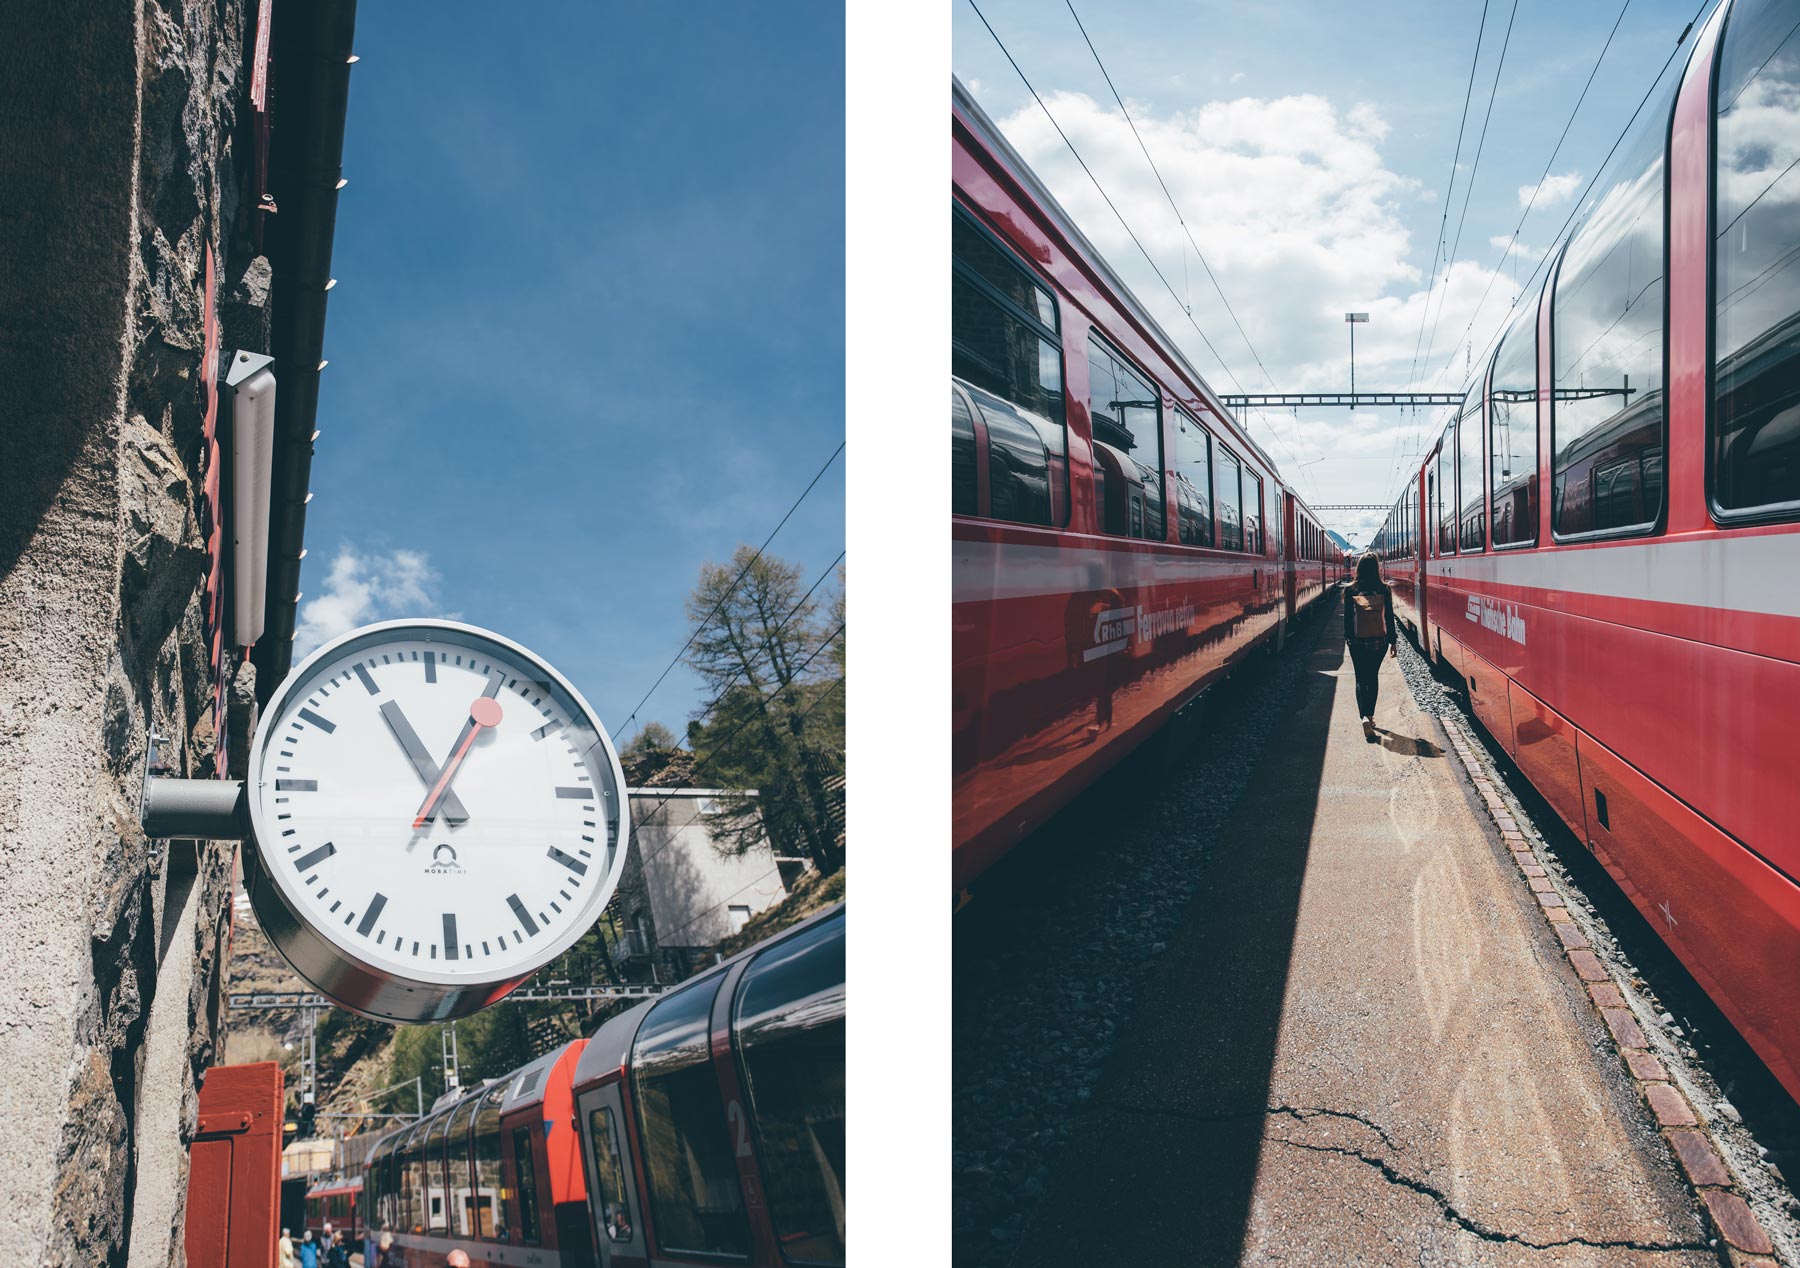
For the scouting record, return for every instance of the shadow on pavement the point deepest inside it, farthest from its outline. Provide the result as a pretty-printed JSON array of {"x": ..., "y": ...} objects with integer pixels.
[
  {"x": 1407, "y": 745},
  {"x": 1162, "y": 1165}
]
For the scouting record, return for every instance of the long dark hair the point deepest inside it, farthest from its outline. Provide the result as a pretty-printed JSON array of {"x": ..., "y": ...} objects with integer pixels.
[{"x": 1368, "y": 574}]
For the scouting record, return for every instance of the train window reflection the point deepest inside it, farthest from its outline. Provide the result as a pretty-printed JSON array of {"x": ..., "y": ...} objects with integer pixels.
[
  {"x": 963, "y": 495},
  {"x": 1002, "y": 324},
  {"x": 438, "y": 1212},
  {"x": 490, "y": 1204},
  {"x": 1193, "y": 481},
  {"x": 1446, "y": 491},
  {"x": 1230, "y": 501},
  {"x": 609, "y": 1176},
  {"x": 462, "y": 1184},
  {"x": 1126, "y": 411},
  {"x": 1607, "y": 346},
  {"x": 790, "y": 1028},
  {"x": 1512, "y": 433},
  {"x": 525, "y": 1171},
  {"x": 1026, "y": 461},
  {"x": 1472, "y": 535},
  {"x": 1756, "y": 257},
  {"x": 696, "y": 1205},
  {"x": 1253, "y": 540}
]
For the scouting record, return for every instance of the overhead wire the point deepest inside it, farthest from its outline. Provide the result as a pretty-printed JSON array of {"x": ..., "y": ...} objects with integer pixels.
[
  {"x": 732, "y": 588},
  {"x": 1180, "y": 219},
  {"x": 1469, "y": 184},
  {"x": 1437, "y": 251},
  {"x": 1125, "y": 224},
  {"x": 1581, "y": 200}
]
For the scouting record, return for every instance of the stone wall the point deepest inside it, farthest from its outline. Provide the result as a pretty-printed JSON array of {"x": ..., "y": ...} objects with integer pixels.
[{"x": 120, "y": 158}]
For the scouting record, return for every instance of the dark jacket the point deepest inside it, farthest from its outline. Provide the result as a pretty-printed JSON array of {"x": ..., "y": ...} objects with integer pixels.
[{"x": 1387, "y": 599}]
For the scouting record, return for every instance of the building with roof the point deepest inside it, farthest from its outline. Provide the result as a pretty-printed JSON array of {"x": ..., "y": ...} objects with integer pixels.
[{"x": 681, "y": 895}]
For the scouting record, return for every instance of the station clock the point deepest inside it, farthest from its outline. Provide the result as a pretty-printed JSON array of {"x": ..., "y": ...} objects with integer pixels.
[{"x": 436, "y": 814}]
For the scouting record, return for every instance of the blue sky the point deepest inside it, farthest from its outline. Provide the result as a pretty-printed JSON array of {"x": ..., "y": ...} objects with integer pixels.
[
  {"x": 588, "y": 327},
  {"x": 1308, "y": 146}
]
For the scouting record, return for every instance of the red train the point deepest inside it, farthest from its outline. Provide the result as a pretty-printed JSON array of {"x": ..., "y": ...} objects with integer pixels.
[
  {"x": 704, "y": 1126},
  {"x": 1633, "y": 638},
  {"x": 1118, "y": 541}
]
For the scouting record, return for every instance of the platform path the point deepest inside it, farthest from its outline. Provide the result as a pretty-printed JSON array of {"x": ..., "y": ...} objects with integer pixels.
[{"x": 1364, "y": 1046}]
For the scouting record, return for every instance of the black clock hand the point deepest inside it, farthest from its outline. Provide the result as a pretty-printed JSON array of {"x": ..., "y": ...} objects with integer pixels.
[{"x": 428, "y": 772}]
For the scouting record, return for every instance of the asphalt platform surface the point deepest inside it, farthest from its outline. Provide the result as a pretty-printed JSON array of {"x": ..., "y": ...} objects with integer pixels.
[{"x": 1363, "y": 1045}]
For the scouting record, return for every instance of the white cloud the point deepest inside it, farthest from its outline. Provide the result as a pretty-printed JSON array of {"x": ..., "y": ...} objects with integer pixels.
[
  {"x": 1301, "y": 220},
  {"x": 1520, "y": 250},
  {"x": 1553, "y": 190},
  {"x": 363, "y": 588}
]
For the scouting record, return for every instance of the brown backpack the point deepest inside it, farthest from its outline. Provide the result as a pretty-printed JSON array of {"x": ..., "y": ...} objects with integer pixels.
[{"x": 1370, "y": 615}]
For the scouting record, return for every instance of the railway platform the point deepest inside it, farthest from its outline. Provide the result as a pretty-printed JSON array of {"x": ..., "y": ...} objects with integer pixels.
[{"x": 1371, "y": 1043}]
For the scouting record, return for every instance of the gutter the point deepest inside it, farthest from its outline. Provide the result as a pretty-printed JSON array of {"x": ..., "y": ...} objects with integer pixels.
[{"x": 310, "y": 58}]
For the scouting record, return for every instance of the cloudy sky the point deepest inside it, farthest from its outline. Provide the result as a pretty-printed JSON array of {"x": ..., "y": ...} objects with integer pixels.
[
  {"x": 588, "y": 327},
  {"x": 1308, "y": 147}
]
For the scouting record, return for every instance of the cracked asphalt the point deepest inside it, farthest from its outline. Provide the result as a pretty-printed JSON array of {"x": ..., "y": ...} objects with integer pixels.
[{"x": 1362, "y": 1045}]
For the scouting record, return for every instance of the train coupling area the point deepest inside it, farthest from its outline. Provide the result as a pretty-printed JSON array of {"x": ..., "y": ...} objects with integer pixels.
[{"x": 1378, "y": 1037}]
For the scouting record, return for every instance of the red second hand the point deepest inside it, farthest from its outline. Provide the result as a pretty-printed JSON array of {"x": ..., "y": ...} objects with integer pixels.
[{"x": 485, "y": 712}]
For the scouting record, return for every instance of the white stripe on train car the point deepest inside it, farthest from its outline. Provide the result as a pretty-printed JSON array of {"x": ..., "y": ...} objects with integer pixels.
[
  {"x": 1737, "y": 574},
  {"x": 985, "y": 571}
]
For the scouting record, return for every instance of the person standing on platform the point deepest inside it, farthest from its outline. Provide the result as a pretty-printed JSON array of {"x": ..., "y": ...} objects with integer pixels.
[
  {"x": 309, "y": 1250},
  {"x": 284, "y": 1251},
  {"x": 1369, "y": 631},
  {"x": 337, "y": 1255},
  {"x": 389, "y": 1255}
]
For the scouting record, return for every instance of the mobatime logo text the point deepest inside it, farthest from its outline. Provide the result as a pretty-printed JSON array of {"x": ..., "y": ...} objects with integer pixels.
[{"x": 1503, "y": 619}]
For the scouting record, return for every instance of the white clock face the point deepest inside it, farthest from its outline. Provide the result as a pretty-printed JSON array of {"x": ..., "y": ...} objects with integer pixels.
[{"x": 438, "y": 806}]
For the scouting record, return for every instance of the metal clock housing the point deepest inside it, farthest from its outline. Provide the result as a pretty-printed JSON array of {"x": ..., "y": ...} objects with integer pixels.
[{"x": 437, "y": 813}]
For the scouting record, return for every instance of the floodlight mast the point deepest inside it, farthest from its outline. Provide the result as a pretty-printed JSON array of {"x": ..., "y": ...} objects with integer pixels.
[{"x": 1354, "y": 319}]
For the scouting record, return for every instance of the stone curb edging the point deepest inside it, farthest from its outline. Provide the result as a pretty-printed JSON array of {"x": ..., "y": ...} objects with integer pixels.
[{"x": 1680, "y": 1126}]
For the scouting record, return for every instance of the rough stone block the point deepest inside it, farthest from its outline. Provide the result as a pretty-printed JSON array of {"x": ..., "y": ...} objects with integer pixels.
[
  {"x": 1669, "y": 1106},
  {"x": 1737, "y": 1223},
  {"x": 1624, "y": 1026},
  {"x": 1698, "y": 1158}
]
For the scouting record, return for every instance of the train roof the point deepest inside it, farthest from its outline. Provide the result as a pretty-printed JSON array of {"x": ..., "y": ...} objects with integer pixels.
[
  {"x": 524, "y": 1087},
  {"x": 607, "y": 1050},
  {"x": 989, "y": 132}
]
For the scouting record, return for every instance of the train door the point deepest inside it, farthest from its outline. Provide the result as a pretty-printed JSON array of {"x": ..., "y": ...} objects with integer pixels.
[{"x": 612, "y": 1190}]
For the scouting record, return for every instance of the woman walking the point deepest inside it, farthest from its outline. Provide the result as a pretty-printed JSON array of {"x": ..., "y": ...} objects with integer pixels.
[{"x": 1368, "y": 629}]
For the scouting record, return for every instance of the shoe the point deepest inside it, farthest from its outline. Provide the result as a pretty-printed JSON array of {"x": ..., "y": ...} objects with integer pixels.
[{"x": 1368, "y": 728}]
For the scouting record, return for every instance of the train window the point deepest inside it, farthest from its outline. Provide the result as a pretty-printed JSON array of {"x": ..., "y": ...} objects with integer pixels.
[
  {"x": 1193, "y": 481},
  {"x": 1126, "y": 409},
  {"x": 1512, "y": 433},
  {"x": 609, "y": 1177},
  {"x": 1606, "y": 348},
  {"x": 525, "y": 1171},
  {"x": 963, "y": 497},
  {"x": 462, "y": 1183},
  {"x": 1756, "y": 223},
  {"x": 1253, "y": 539},
  {"x": 696, "y": 1205},
  {"x": 1446, "y": 491},
  {"x": 1230, "y": 502},
  {"x": 1026, "y": 462},
  {"x": 790, "y": 1033},
  {"x": 438, "y": 1213},
  {"x": 1002, "y": 323},
  {"x": 412, "y": 1183},
  {"x": 490, "y": 1203},
  {"x": 1472, "y": 535}
]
